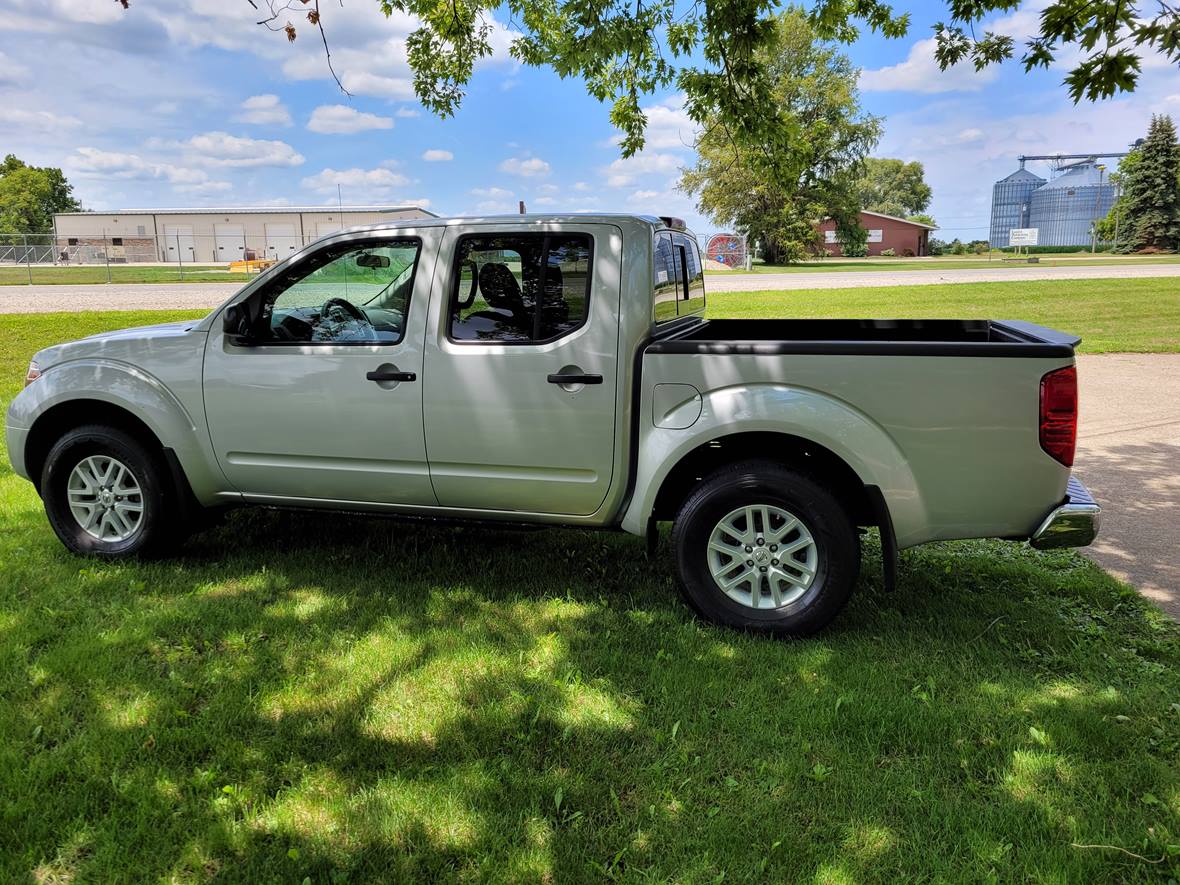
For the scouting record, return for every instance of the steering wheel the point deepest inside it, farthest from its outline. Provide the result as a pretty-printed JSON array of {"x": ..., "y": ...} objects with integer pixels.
[{"x": 349, "y": 308}]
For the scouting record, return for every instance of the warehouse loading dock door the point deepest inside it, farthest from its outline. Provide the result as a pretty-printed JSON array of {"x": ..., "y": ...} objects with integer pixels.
[
  {"x": 229, "y": 242},
  {"x": 179, "y": 244},
  {"x": 281, "y": 241}
]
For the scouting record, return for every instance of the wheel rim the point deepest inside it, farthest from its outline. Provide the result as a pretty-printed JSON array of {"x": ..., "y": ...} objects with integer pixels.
[
  {"x": 762, "y": 557},
  {"x": 105, "y": 498}
]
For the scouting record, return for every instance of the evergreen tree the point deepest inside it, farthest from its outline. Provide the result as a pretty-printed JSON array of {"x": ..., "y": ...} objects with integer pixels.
[{"x": 1153, "y": 191}]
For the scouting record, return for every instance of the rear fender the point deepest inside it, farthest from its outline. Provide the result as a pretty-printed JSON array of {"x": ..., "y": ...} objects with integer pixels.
[{"x": 773, "y": 408}]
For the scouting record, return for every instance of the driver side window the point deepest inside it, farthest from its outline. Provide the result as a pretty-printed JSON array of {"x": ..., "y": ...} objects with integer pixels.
[{"x": 350, "y": 293}]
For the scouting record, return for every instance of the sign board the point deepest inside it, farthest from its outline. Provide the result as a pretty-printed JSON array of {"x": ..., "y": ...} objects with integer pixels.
[
  {"x": 875, "y": 236},
  {"x": 727, "y": 249},
  {"x": 1023, "y": 236}
]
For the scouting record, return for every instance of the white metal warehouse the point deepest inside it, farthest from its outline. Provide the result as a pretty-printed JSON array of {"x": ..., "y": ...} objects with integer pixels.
[{"x": 207, "y": 236}]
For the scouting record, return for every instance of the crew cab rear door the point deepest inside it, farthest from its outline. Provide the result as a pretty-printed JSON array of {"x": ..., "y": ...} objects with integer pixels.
[{"x": 521, "y": 368}]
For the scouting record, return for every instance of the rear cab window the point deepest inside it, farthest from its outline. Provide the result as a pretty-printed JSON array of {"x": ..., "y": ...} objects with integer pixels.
[{"x": 679, "y": 276}]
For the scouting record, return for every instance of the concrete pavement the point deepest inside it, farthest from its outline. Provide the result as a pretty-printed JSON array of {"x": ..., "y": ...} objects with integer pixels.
[
  {"x": 1001, "y": 273},
  {"x": 1129, "y": 457}
]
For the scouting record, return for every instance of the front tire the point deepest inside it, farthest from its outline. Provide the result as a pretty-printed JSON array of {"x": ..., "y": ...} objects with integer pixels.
[
  {"x": 763, "y": 548},
  {"x": 106, "y": 495}
]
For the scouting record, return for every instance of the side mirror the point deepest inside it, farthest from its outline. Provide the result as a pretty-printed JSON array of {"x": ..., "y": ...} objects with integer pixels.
[{"x": 235, "y": 322}]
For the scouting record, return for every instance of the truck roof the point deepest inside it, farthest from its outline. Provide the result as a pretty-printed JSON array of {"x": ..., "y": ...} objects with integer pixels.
[{"x": 653, "y": 221}]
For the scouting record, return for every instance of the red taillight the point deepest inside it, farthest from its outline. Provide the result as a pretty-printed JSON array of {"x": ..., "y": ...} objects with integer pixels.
[{"x": 1059, "y": 414}]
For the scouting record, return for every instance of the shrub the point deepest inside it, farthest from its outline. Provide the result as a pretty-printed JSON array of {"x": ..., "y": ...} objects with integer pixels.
[{"x": 888, "y": 253}]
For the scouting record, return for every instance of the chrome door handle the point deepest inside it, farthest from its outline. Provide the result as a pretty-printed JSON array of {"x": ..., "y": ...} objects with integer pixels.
[
  {"x": 378, "y": 375},
  {"x": 574, "y": 378}
]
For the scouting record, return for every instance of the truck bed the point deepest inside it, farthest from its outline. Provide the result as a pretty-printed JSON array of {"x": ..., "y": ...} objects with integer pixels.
[
  {"x": 947, "y": 408},
  {"x": 939, "y": 337}
]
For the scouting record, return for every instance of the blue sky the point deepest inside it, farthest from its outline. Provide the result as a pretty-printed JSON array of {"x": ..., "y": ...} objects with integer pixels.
[{"x": 189, "y": 103}]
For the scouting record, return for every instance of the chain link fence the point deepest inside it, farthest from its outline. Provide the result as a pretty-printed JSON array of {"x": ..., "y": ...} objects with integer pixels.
[{"x": 100, "y": 257}]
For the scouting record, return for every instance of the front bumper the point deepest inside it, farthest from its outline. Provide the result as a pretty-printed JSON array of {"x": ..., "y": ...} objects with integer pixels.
[{"x": 1072, "y": 524}]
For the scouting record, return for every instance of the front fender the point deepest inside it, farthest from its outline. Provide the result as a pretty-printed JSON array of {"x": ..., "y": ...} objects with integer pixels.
[
  {"x": 177, "y": 426},
  {"x": 774, "y": 408}
]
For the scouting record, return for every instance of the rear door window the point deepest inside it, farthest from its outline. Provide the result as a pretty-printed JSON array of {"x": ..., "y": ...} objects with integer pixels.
[{"x": 520, "y": 288}]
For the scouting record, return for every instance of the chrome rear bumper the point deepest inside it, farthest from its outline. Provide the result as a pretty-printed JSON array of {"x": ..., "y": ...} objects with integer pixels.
[{"x": 1072, "y": 524}]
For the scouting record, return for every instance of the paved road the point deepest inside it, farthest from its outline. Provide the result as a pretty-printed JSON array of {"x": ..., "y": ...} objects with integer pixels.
[
  {"x": 1129, "y": 456},
  {"x": 744, "y": 282},
  {"x": 114, "y": 296},
  {"x": 197, "y": 296}
]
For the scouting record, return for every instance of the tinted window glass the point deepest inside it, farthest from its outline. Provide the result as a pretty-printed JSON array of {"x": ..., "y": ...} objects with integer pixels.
[
  {"x": 667, "y": 278},
  {"x": 520, "y": 287},
  {"x": 692, "y": 293},
  {"x": 349, "y": 293}
]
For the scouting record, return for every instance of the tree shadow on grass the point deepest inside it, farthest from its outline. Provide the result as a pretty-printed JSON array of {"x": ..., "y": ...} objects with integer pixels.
[{"x": 354, "y": 699}]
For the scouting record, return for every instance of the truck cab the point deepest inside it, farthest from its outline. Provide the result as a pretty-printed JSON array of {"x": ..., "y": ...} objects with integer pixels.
[{"x": 562, "y": 370}]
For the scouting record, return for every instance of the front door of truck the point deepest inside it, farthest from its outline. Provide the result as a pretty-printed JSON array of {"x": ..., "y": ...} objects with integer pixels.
[
  {"x": 521, "y": 369},
  {"x": 324, "y": 401}
]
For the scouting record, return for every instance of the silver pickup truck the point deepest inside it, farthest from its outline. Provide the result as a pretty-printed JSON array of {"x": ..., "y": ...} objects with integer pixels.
[{"x": 560, "y": 370}]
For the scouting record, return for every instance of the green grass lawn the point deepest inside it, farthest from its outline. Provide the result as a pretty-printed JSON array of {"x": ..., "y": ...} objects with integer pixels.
[
  {"x": 331, "y": 699},
  {"x": 74, "y": 275},
  {"x": 1141, "y": 315},
  {"x": 952, "y": 262}
]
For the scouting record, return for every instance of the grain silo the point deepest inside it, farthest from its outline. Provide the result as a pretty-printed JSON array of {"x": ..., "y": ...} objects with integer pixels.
[
  {"x": 1064, "y": 210},
  {"x": 1010, "y": 203}
]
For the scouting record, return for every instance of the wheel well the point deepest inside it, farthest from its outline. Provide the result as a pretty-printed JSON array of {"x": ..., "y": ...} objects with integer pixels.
[
  {"x": 63, "y": 417},
  {"x": 793, "y": 452}
]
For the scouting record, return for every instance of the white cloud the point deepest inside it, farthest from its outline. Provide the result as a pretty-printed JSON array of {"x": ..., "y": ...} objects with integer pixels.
[
  {"x": 364, "y": 179},
  {"x": 264, "y": 110},
  {"x": 920, "y": 73},
  {"x": 437, "y": 155},
  {"x": 408, "y": 113},
  {"x": 94, "y": 163},
  {"x": 495, "y": 193},
  {"x": 39, "y": 121},
  {"x": 223, "y": 149},
  {"x": 625, "y": 170},
  {"x": 525, "y": 166},
  {"x": 494, "y": 200},
  {"x": 581, "y": 186},
  {"x": 340, "y": 119},
  {"x": 669, "y": 126}
]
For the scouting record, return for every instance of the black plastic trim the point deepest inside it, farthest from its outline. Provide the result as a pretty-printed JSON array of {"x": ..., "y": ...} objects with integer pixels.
[
  {"x": 377, "y": 375},
  {"x": 574, "y": 378},
  {"x": 889, "y": 552},
  {"x": 880, "y": 338}
]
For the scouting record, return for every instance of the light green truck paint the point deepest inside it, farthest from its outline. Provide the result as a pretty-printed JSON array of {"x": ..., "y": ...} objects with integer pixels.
[{"x": 950, "y": 441}]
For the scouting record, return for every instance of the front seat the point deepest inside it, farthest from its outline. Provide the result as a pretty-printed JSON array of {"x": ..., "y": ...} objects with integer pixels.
[{"x": 502, "y": 293}]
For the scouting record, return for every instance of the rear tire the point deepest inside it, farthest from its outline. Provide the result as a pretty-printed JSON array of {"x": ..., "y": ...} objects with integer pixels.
[
  {"x": 764, "y": 548},
  {"x": 106, "y": 495}
]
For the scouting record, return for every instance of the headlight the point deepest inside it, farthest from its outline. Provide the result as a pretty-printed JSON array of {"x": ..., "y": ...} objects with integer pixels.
[{"x": 33, "y": 374}]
